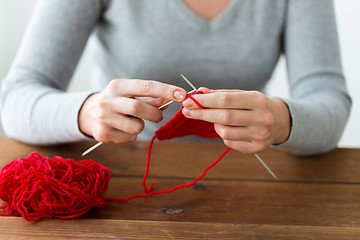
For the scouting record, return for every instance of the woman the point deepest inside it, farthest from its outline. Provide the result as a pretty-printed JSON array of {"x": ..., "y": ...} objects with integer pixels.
[{"x": 231, "y": 45}]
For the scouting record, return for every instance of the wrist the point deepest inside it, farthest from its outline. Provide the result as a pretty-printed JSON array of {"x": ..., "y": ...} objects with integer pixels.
[
  {"x": 283, "y": 121},
  {"x": 86, "y": 116}
]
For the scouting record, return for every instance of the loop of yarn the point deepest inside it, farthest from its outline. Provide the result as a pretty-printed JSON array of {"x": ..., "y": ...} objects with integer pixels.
[{"x": 40, "y": 187}]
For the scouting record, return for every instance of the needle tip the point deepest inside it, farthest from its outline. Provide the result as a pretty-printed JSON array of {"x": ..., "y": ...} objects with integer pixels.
[
  {"x": 92, "y": 148},
  {"x": 188, "y": 82}
]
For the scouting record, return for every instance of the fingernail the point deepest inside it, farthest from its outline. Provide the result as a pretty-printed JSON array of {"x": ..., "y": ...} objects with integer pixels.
[
  {"x": 186, "y": 112},
  {"x": 179, "y": 95},
  {"x": 188, "y": 103}
]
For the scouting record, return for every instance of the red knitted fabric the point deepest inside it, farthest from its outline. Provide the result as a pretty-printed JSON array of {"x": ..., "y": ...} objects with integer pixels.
[
  {"x": 40, "y": 187},
  {"x": 180, "y": 126}
]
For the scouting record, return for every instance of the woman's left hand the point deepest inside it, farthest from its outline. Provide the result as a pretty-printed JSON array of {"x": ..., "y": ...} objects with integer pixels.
[{"x": 247, "y": 121}]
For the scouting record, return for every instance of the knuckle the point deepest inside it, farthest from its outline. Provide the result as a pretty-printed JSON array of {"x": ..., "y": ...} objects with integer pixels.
[
  {"x": 134, "y": 108},
  {"x": 219, "y": 129},
  {"x": 124, "y": 138},
  {"x": 103, "y": 101},
  {"x": 197, "y": 114},
  {"x": 169, "y": 92},
  {"x": 138, "y": 127},
  {"x": 260, "y": 99},
  {"x": 134, "y": 127},
  {"x": 146, "y": 87},
  {"x": 228, "y": 143},
  {"x": 258, "y": 147},
  {"x": 262, "y": 134},
  {"x": 113, "y": 84},
  {"x": 131, "y": 138},
  {"x": 101, "y": 116},
  {"x": 103, "y": 135},
  {"x": 255, "y": 148},
  {"x": 226, "y": 116},
  {"x": 225, "y": 100},
  {"x": 158, "y": 117},
  {"x": 223, "y": 132}
]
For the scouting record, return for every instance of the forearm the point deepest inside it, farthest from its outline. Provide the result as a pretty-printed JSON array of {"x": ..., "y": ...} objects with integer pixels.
[
  {"x": 320, "y": 104},
  {"x": 34, "y": 105},
  {"x": 40, "y": 115},
  {"x": 317, "y": 123}
]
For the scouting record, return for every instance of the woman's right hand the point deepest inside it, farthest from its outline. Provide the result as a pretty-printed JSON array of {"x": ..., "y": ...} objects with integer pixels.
[{"x": 116, "y": 114}]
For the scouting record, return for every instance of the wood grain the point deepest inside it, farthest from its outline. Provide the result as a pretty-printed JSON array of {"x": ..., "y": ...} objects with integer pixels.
[
  {"x": 125, "y": 229},
  {"x": 188, "y": 159},
  {"x": 238, "y": 202},
  {"x": 314, "y": 198}
]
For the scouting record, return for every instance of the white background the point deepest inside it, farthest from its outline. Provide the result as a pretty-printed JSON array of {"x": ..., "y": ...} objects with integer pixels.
[{"x": 14, "y": 15}]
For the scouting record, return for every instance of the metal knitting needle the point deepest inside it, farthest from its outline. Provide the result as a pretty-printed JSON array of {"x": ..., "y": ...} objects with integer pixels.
[
  {"x": 92, "y": 148},
  {"x": 188, "y": 82},
  {"x": 267, "y": 168},
  {"x": 166, "y": 104}
]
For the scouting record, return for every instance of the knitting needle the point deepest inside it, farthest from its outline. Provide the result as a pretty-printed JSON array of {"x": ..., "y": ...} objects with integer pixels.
[
  {"x": 92, "y": 148},
  {"x": 267, "y": 168},
  {"x": 188, "y": 82},
  {"x": 166, "y": 104}
]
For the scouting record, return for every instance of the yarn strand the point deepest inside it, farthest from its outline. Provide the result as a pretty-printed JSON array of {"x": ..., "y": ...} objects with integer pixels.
[
  {"x": 171, "y": 189},
  {"x": 149, "y": 189}
]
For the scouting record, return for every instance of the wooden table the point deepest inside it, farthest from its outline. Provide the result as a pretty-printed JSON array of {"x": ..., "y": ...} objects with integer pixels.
[{"x": 314, "y": 198}]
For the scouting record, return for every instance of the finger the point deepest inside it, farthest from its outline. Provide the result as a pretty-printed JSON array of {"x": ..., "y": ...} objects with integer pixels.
[
  {"x": 108, "y": 134},
  {"x": 189, "y": 102},
  {"x": 128, "y": 124},
  {"x": 156, "y": 102},
  {"x": 145, "y": 99},
  {"x": 136, "y": 108},
  {"x": 207, "y": 90},
  {"x": 252, "y": 133},
  {"x": 225, "y": 100},
  {"x": 149, "y": 88},
  {"x": 233, "y": 133},
  {"x": 245, "y": 146},
  {"x": 221, "y": 116}
]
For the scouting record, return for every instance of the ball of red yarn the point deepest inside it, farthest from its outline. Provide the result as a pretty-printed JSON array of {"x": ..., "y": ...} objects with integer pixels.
[{"x": 40, "y": 187}]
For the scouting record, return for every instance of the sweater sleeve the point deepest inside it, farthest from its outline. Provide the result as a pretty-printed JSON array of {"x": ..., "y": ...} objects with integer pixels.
[
  {"x": 35, "y": 107},
  {"x": 319, "y": 104}
]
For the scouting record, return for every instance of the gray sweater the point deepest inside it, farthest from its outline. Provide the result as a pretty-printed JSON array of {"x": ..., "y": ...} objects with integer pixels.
[{"x": 159, "y": 39}]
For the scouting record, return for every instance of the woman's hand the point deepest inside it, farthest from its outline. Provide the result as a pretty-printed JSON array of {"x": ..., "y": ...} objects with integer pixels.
[
  {"x": 247, "y": 121},
  {"x": 116, "y": 114}
]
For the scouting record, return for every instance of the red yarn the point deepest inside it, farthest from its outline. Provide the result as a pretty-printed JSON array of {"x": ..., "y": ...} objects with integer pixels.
[
  {"x": 180, "y": 126},
  {"x": 40, "y": 187}
]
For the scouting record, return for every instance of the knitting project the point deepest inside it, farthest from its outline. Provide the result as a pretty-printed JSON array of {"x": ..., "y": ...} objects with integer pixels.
[{"x": 39, "y": 187}]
